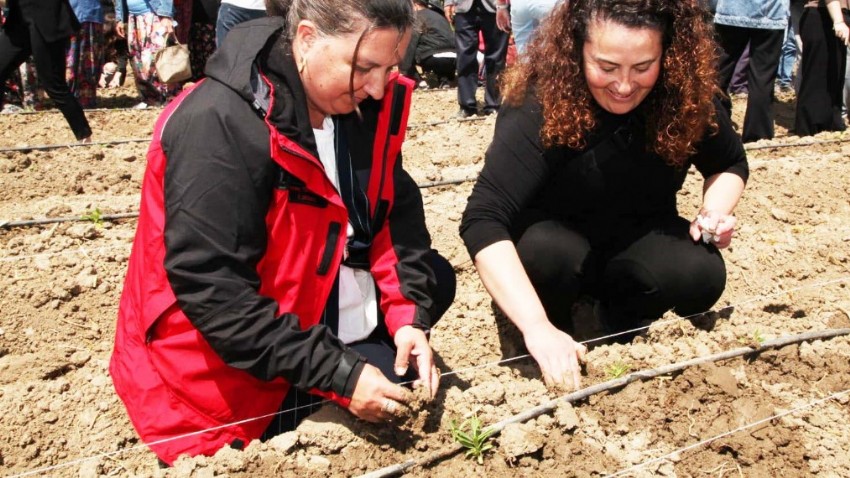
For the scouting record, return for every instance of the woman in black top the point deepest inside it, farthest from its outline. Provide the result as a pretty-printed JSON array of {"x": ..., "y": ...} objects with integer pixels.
[{"x": 602, "y": 119}]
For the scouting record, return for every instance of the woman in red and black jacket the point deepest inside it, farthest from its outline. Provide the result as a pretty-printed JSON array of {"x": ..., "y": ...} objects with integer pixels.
[{"x": 281, "y": 247}]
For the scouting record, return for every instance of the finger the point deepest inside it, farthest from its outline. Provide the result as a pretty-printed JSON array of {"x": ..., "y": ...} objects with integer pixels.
[
  {"x": 695, "y": 232},
  {"x": 581, "y": 353},
  {"x": 547, "y": 380},
  {"x": 576, "y": 377},
  {"x": 402, "y": 358},
  {"x": 397, "y": 393},
  {"x": 435, "y": 381},
  {"x": 424, "y": 364}
]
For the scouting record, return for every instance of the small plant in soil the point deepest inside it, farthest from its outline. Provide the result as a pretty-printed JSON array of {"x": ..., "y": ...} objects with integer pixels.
[
  {"x": 472, "y": 437},
  {"x": 755, "y": 341},
  {"x": 617, "y": 370},
  {"x": 95, "y": 216}
]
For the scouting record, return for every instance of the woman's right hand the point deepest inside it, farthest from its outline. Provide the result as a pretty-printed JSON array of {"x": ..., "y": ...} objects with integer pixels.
[
  {"x": 558, "y": 356},
  {"x": 376, "y": 399},
  {"x": 842, "y": 32},
  {"x": 119, "y": 30}
]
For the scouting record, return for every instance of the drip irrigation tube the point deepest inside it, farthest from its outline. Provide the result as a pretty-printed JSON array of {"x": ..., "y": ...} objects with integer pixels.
[
  {"x": 127, "y": 215},
  {"x": 53, "y": 220},
  {"x": 551, "y": 405},
  {"x": 46, "y": 147},
  {"x": 790, "y": 145}
]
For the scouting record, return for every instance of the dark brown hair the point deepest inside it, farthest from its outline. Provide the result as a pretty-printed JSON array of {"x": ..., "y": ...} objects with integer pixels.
[
  {"x": 679, "y": 108},
  {"x": 342, "y": 17}
]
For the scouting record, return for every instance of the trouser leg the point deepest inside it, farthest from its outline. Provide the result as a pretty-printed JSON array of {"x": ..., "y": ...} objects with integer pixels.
[
  {"x": 50, "y": 66},
  {"x": 732, "y": 41},
  {"x": 557, "y": 262},
  {"x": 662, "y": 270},
  {"x": 495, "y": 54},
  {"x": 765, "y": 47},
  {"x": 466, "y": 37}
]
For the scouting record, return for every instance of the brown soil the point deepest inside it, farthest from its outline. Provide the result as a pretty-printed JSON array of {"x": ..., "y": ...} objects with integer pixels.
[{"x": 789, "y": 269}]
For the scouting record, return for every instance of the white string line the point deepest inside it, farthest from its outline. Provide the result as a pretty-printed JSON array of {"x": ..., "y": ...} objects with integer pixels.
[
  {"x": 82, "y": 250},
  {"x": 453, "y": 372},
  {"x": 730, "y": 432},
  {"x": 662, "y": 322},
  {"x": 157, "y": 442}
]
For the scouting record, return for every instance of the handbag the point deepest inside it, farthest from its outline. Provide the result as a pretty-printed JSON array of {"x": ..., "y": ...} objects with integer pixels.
[{"x": 172, "y": 63}]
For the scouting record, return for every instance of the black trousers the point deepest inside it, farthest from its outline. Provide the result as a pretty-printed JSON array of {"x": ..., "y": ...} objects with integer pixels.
[
  {"x": 765, "y": 46},
  {"x": 467, "y": 25},
  {"x": 660, "y": 269},
  {"x": 443, "y": 67},
  {"x": 49, "y": 65},
  {"x": 820, "y": 98},
  {"x": 378, "y": 349}
]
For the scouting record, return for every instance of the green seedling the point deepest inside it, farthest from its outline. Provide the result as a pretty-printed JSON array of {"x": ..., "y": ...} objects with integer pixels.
[
  {"x": 95, "y": 216},
  {"x": 471, "y": 436},
  {"x": 755, "y": 341},
  {"x": 617, "y": 369}
]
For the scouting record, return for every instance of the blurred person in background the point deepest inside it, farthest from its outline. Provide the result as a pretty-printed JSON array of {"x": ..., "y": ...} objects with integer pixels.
[
  {"x": 431, "y": 48},
  {"x": 41, "y": 28},
  {"x": 522, "y": 17},
  {"x": 610, "y": 106},
  {"x": 85, "y": 52},
  {"x": 824, "y": 31},
  {"x": 281, "y": 256},
  {"x": 472, "y": 18},
  {"x": 760, "y": 24},
  {"x": 149, "y": 27}
]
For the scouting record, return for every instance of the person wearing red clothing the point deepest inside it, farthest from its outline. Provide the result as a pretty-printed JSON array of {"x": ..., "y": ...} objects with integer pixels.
[{"x": 281, "y": 256}]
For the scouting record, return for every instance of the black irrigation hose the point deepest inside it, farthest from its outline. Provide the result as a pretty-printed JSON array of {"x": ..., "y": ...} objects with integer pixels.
[
  {"x": 46, "y": 147},
  {"x": 54, "y": 220},
  {"x": 127, "y": 215},
  {"x": 91, "y": 110},
  {"x": 617, "y": 383},
  {"x": 806, "y": 143},
  {"x": 409, "y": 128}
]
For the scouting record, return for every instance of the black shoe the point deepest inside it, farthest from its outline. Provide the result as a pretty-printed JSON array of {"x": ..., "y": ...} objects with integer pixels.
[
  {"x": 488, "y": 112},
  {"x": 465, "y": 113}
]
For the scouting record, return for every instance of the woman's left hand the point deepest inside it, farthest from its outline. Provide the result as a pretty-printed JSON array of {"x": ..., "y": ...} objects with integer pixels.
[
  {"x": 714, "y": 227},
  {"x": 842, "y": 32},
  {"x": 413, "y": 348}
]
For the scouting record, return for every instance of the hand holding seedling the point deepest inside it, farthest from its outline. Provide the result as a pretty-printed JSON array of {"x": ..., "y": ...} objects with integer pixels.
[
  {"x": 413, "y": 349},
  {"x": 558, "y": 356},
  {"x": 713, "y": 227},
  {"x": 376, "y": 399}
]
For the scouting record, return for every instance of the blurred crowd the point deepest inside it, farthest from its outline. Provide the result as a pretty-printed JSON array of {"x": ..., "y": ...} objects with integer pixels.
[{"x": 766, "y": 48}]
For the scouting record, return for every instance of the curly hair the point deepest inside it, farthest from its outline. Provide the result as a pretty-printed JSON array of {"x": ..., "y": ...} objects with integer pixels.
[{"x": 680, "y": 108}]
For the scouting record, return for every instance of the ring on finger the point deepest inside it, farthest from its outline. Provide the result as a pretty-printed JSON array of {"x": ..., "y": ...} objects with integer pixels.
[{"x": 389, "y": 406}]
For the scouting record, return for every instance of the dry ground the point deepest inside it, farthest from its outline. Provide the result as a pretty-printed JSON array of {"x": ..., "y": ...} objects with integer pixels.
[{"x": 789, "y": 270}]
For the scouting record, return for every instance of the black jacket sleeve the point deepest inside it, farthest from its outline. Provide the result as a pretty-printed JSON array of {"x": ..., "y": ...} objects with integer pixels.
[
  {"x": 515, "y": 168},
  {"x": 218, "y": 184},
  {"x": 412, "y": 242}
]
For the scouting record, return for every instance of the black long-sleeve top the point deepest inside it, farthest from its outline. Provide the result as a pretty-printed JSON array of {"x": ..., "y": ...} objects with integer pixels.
[{"x": 612, "y": 185}]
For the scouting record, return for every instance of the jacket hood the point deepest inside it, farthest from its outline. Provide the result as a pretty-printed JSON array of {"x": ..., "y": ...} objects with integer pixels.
[
  {"x": 258, "y": 47},
  {"x": 233, "y": 63}
]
